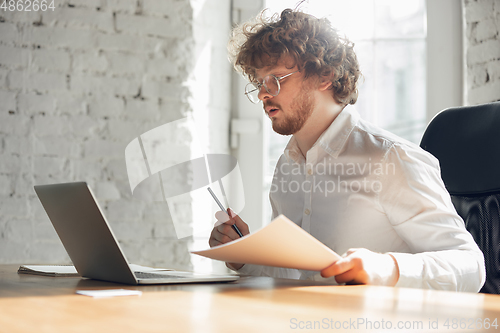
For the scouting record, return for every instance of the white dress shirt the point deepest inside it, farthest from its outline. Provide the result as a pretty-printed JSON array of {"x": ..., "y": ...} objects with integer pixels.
[{"x": 362, "y": 187}]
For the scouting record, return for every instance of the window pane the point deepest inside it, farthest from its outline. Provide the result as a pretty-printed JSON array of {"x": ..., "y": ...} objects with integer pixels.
[
  {"x": 365, "y": 51},
  {"x": 400, "y": 19},
  {"x": 354, "y": 18},
  {"x": 400, "y": 87}
]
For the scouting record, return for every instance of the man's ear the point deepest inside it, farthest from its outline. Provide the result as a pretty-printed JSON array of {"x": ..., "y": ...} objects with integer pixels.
[{"x": 324, "y": 83}]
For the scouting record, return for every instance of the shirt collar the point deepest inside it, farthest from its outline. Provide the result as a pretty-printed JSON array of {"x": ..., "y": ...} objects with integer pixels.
[{"x": 333, "y": 138}]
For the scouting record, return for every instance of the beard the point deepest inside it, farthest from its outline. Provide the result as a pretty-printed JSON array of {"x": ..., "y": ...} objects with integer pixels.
[{"x": 301, "y": 109}]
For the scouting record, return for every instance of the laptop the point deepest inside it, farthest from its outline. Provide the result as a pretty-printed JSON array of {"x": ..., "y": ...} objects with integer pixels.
[{"x": 92, "y": 246}]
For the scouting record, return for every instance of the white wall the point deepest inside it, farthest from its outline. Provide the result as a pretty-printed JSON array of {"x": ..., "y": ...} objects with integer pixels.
[
  {"x": 444, "y": 55},
  {"x": 76, "y": 86},
  {"x": 482, "y": 51},
  {"x": 463, "y": 53},
  {"x": 249, "y": 147}
]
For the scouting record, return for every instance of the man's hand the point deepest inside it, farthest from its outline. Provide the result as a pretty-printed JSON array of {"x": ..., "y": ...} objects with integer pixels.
[
  {"x": 361, "y": 266},
  {"x": 223, "y": 232}
]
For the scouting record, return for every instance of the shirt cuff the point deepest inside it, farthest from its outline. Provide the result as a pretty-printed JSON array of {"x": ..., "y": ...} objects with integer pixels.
[{"x": 410, "y": 270}]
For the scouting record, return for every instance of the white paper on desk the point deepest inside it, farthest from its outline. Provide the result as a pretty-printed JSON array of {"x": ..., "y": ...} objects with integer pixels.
[
  {"x": 70, "y": 270},
  {"x": 109, "y": 292},
  {"x": 48, "y": 270},
  {"x": 282, "y": 243}
]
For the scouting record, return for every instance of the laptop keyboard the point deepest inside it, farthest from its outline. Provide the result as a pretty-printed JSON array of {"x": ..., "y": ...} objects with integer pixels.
[{"x": 144, "y": 275}]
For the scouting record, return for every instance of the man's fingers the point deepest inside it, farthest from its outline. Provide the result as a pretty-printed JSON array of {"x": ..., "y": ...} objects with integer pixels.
[
  {"x": 242, "y": 226},
  {"x": 339, "y": 267},
  {"x": 348, "y": 276},
  {"x": 227, "y": 230},
  {"x": 224, "y": 226},
  {"x": 346, "y": 270},
  {"x": 221, "y": 217},
  {"x": 222, "y": 234},
  {"x": 213, "y": 242}
]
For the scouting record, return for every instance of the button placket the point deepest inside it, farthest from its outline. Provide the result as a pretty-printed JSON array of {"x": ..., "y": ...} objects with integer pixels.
[{"x": 310, "y": 161}]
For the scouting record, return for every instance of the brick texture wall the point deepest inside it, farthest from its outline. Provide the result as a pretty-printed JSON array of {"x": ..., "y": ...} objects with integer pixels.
[
  {"x": 482, "y": 51},
  {"x": 77, "y": 84}
]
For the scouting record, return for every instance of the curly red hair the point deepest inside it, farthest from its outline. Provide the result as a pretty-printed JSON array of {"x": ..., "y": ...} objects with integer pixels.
[{"x": 312, "y": 43}]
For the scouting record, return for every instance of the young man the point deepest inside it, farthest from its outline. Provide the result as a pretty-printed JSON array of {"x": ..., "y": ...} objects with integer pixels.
[{"x": 367, "y": 194}]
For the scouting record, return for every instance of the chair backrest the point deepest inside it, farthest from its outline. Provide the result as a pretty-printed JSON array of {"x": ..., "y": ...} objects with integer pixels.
[{"x": 466, "y": 141}]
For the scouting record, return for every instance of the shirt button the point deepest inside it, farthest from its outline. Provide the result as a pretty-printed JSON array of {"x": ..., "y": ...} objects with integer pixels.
[
  {"x": 309, "y": 172},
  {"x": 307, "y": 211}
]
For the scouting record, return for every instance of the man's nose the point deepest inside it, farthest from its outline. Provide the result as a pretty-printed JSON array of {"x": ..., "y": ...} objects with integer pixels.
[{"x": 263, "y": 93}]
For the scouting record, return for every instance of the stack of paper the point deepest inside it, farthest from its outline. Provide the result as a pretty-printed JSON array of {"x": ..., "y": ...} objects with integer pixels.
[
  {"x": 48, "y": 270},
  {"x": 69, "y": 270}
]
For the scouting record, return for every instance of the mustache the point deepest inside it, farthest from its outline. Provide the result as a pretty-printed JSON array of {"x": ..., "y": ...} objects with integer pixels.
[{"x": 270, "y": 104}]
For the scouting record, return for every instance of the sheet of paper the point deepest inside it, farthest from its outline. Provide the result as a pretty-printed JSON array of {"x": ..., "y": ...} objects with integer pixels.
[
  {"x": 282, "y": 243},
  {"x": 70, "y": 270},
  {"x": 109, "y": 292},
  {"x": 48, "y": 270}
]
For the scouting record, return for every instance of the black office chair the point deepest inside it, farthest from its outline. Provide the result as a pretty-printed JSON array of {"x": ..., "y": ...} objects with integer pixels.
[{"x": 466, "y": 141}]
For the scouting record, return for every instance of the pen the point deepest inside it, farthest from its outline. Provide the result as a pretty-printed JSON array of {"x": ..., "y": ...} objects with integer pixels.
[{"x": 224, "y": 210}]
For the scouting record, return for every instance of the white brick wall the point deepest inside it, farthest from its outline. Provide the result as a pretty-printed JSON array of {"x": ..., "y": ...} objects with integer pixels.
[
  {"x": 482, "y": 51},
  {"x": 77, "y": 85}
]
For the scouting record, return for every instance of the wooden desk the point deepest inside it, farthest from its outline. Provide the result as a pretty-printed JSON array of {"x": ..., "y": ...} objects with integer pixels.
[{"x": 30, "y": 303}]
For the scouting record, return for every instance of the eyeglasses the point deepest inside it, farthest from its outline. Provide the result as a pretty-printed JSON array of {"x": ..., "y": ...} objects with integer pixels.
[{"x": 270, "y": 82}]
